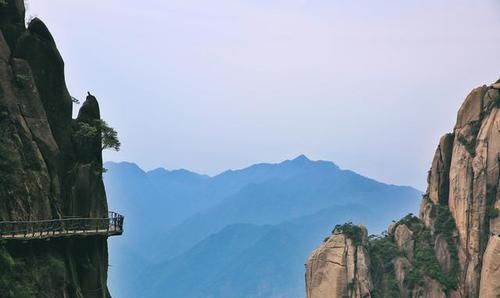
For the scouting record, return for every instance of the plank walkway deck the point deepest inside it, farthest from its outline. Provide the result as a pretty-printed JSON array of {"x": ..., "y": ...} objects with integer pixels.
[{"x": 65, "y": 227}]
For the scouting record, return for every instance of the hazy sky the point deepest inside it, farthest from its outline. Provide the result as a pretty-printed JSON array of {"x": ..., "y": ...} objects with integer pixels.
[{"x": 211, "y": 85}]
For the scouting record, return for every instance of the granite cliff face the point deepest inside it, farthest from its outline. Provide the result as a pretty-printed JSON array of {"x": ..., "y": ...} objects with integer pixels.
[
  {"x": 47, "y": 171},
  {"x": 340, "y": 266},
  {"x": 452, "y": 248}
]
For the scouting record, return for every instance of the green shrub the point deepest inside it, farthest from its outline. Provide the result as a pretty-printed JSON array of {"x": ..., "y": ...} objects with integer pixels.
[
  {"x": 425, "y": 263},
  {"x": 109, "y": 136},
  {"x": 352, "y": 231},
  {"x": 383, "y": 251},
  {"x": 10, "y": 276},
  {"x": 493, "y": 212},
  {"x": 491, "y": 197},
  {"x": 26, "y": 278},
  {"x": 87, "y": 130},
  {"x": 350, "y": 286},
  {"x": 6, "y": 261},
  {"x": 412, "y": 222},
  {"x": 445, "y": 226}
]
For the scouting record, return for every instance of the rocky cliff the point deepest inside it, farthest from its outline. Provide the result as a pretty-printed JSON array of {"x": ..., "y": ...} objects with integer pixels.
[
  {"x": 340, "y": 266},
  {"x": 47, "y": 170},
  {"x": 452, "y": 248}
]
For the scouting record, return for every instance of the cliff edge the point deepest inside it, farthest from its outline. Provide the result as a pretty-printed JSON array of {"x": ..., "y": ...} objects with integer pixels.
[
  {"x": 47, "y": 170},
  {"x": 452, "y": 248}
]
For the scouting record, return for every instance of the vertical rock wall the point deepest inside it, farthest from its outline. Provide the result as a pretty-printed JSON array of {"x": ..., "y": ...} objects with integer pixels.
[
  {"x": 46, "y": 170},
  {"x": 339, "y": 268},
  {"x": 453, "y": 248}
]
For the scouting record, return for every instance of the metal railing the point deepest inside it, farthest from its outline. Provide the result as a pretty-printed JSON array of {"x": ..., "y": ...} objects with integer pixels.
[{"x": 110, "y": 226}]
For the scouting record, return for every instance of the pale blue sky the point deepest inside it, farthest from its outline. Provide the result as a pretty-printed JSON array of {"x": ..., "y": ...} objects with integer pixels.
[{"x": 211, "y": 85}]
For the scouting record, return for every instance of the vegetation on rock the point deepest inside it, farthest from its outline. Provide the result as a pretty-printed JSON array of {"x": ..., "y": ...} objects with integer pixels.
[
  {"x": 445, "y": 226},
  {"x": 109, "y": 136},
  {"x": 421, "y": 256},
  {"x": 383, "y": 251},
  {"x": 411, "y": 221},
  {"x": 470, "y": 143},
  {"x": 424, "y": 263},
  {"x": 352, "y": 232},
  {"x": 17, "y": 281},
  {"x": 491, "y": 193}
]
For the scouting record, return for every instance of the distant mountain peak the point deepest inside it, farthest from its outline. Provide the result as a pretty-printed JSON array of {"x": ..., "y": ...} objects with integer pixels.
[
  {"x": 123, "y": 165},
  {"x": 301, "y": 158},
  {"x": 303, "y": 161},
  {"x": 179, "y": 173}
]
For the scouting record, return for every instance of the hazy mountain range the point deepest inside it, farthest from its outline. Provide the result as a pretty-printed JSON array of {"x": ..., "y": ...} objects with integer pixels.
[{"x": 243, "y": 233}]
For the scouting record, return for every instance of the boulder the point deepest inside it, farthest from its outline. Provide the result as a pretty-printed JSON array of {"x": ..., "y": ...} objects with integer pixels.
[
  {"x": 326, "y": 269},
  {"x": 470, "y": 111},
  {"x": 438, "y": 179},
  {"x": 404, "y": 239},
  {"x": 401, "y": 268},
  {"x": 339, "y": 268},
  {"x": 443, "y": 254},
  {"x": 427, "y": 211}
]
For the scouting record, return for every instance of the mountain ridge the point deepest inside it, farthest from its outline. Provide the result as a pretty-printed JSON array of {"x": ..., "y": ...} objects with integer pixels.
[
  {"x": 302, "y": 158},
  {"x": 293, "y": 197}
]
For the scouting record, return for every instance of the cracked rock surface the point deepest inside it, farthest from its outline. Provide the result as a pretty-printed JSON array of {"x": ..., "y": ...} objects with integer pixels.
[{"x": 452, "y": 249}]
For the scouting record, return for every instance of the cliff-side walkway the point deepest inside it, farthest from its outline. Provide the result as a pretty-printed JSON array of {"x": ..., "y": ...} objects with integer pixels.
[{"x": 64, "y": 227}]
